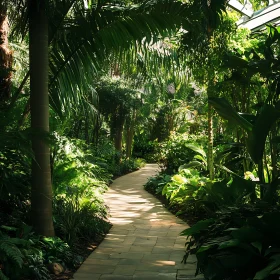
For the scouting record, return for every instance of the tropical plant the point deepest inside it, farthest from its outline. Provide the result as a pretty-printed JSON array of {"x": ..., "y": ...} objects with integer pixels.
[
  {"x": 156, "y": 184},
  {"x": 257, "y": 130},
  {"x": 79, "y": 217},
  {"x": 11, "y": 258},
  {"x": 86, "y": 40},
  {"x": 30, "y": 256},
  {"x": 176, "y": 151},
  {"x": 240, "y": 243}
]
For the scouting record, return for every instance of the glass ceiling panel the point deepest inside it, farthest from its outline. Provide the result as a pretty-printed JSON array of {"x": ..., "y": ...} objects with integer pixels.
[{"x": 258, "y": 19}]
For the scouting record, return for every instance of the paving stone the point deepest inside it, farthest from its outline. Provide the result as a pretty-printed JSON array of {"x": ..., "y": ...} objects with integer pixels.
[
  {"x": 128, "y": 255},
  {"x": 159, "y": 256},
  {"x": 99, "y": 256},
  {"x": 187, "y": 274},
  {"x": 110, "y": 262},
  {"x": 160, "y": 249},
  {"x": 83, "y": 276},
  {"x": 115, "y": 277},
  {"x": 130, "y": 261},
  {"x": 141, "y": 248},
  {"x": 125, "y": 269},
  {"x": 96, "y": 268}
]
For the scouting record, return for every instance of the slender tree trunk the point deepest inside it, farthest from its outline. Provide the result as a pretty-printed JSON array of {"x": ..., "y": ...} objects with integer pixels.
[
  {"x": 41, "y": 195},
  {"x": 5, "y": 56},
  {"x": 118, "y": 136},
  {"x": 210, "y": 156},
  {"x": 130, "y": 134},
  {"x": 273, "y": 152},
  {"x": 117, "y": 127}
]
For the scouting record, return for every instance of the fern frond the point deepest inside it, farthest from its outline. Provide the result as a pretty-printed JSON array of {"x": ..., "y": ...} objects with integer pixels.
[
  {"x": 3, "y": 276},
  {"x": 11, "y": 252}
]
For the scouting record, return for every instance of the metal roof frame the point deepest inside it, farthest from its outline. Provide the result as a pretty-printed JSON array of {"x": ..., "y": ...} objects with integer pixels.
[{"x": 259, "y": 19}]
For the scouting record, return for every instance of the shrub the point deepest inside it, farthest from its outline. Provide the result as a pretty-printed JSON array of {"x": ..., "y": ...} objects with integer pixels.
[
  {"x": 174, "y": 153},
  {"x": 79, "y": 216},
  {"x": 239, "y": 243},
  {"x": 24, "y": 255},
  {"x": 157, "y": 183}
]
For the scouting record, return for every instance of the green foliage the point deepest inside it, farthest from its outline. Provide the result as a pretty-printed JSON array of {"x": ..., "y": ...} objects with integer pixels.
[
  {"x": 192, "y": 193},
  {"x": 257, "y": 132},
  {"x": 56, "y": 250},
  {"x": 11, "y": 258},
  {"x": 79, "y": 217},
  {"x": 129, "y": 165},
  {"x": 178, "y": 150},
  {"x": 145, "y": 148},
  {"x": 239, "y": 243},
  {"x": 75, "y": 166},
  {"x": 25, "y": 255},
  {"x": 156, "y": 184},
  {"x": 184, "y": 186},
  {"x": 79, "y": 179}
]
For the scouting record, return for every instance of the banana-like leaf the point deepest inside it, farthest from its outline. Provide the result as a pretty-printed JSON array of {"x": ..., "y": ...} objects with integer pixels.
[
  {"x": 191, "y": 164},
  {"x": 235, "y": 62},
  {"x": 267, "y": 271},
  {"x": 256, "y": 138},
  {"x": 196, "y": 149},
  {"x": 226, "y": 111},
  {"x": 257, "y": 132},
  {"x": 198, "y": 227},
  {"x": 200, "y": 157}
]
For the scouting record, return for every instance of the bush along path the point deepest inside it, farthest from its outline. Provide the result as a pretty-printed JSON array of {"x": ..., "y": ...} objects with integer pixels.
[{"x": 144, "y": 242}]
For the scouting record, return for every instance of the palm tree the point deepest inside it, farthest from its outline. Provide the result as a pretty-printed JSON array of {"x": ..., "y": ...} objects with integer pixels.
[
  {"x": 65, "y": 57},
  {"x": 41, "y": 195}
]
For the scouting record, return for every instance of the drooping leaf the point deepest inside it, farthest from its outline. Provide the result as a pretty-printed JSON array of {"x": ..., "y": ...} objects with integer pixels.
[
  {"x": 257, "y": 136},
  {"x": 247, "y": 234},
  {"x": 264, "y": 273},
  {"x": 229, "y": 243},
  {"x": 226, "y": 111},
  {"x": 199, "y": 226},
  {"x": 235, "y": 62},
  {"x": 193, "y": 163},
  {"x": 196, "y": 149}
]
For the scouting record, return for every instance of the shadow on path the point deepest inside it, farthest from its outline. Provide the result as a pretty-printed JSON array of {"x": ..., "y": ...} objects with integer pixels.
[{"x": 144, "y": 242}]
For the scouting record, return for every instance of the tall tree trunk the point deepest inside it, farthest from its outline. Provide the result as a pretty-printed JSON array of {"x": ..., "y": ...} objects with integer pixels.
[
  {"x": 210, "y": 156},
  {"x": 116, "y": 127},
  {"x": 130, "y": 134},
  {"x": 41, "y": 195},
  {"x": 5, "y": 56},
  {"x": 118, "y": 135}
]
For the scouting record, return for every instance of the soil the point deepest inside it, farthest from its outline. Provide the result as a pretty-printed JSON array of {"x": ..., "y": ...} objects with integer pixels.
[{"x": 84, "y": 249}]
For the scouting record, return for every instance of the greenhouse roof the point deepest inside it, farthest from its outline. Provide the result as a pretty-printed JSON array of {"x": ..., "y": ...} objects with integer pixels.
[{"x": 256, "y": 20}]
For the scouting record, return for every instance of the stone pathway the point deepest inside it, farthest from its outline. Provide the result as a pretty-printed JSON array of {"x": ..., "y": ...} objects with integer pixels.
[{"x": 144, "y": 242}]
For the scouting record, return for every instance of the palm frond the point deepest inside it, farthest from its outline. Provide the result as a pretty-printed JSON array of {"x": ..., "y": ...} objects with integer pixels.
[{"x": 83, "y": 37}]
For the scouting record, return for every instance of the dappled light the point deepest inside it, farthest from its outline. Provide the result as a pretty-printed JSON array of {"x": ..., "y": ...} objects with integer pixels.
[{"x": 144, "y": 236}]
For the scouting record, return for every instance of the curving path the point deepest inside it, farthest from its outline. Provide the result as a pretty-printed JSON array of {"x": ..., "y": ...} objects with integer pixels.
[{"x": 144, "y": 242}]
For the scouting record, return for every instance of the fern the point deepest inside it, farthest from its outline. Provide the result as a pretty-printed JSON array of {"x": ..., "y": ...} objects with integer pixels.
[
  {"x": 2, "y": 276},
  {"x": 10, "y": 252},
  {"x": 10, "y": 255}
]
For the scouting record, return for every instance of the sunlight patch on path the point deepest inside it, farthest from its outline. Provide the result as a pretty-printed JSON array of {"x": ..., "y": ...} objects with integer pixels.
[{"x": 144, "y": 242}]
